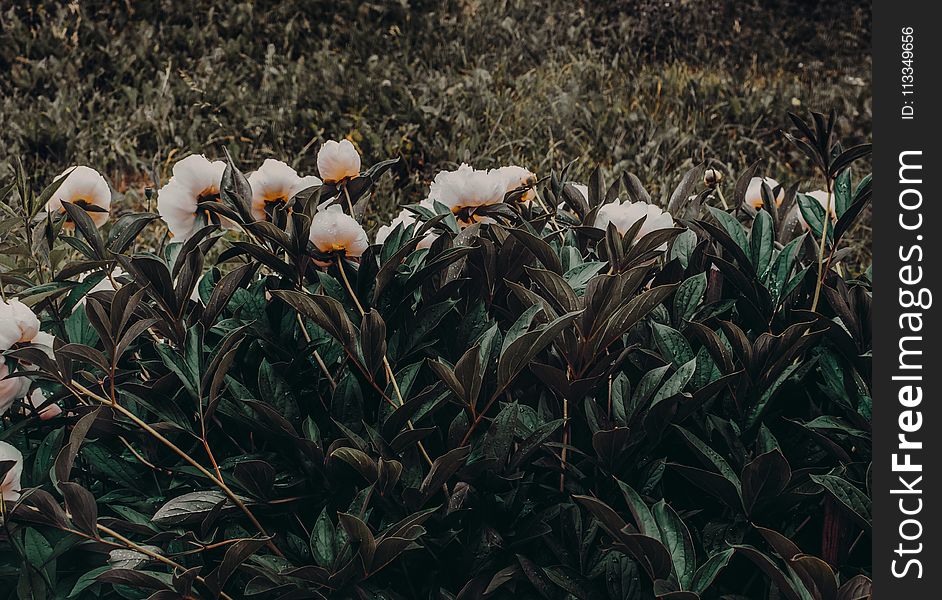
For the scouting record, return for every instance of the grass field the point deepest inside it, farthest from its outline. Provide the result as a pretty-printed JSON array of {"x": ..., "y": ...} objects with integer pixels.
[{"x": 650, "y": 87}]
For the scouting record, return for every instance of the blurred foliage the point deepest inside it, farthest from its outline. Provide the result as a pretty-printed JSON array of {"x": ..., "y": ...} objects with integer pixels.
[{"x": 650, "y": 87}]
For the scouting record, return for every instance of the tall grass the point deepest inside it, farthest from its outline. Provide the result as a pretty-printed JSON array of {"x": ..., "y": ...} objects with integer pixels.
[{"x": 643, "y": 86}]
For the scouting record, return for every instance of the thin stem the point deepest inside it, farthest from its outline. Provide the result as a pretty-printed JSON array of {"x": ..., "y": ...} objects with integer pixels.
[
  {"x": 552, "y": 217},
  {"x": 151, "y": 554},
  {"x": 562, "y": 457},
  {"x": 719, "y": 193},
  {"x": 196, "y": 465},
  {"x": 317, "y": 357},
  {"x": 140, "y": 457},
  {"x": 349, "y": 202},
  {"x": 388, "y": 368},
  {"x": 824, "y": 237}
]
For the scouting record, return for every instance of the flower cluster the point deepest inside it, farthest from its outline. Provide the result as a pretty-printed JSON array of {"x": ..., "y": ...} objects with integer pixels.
[
  {"x": 755, "y": 199},
  {"x": 19, "y": 327}
]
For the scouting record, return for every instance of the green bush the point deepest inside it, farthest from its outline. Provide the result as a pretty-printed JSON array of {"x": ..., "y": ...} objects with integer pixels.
[{"x": 544, "y": 392}]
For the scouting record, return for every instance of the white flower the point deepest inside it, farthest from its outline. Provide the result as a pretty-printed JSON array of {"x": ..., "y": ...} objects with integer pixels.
[
  {"x": 276, "y": 182},
  {"x": 51, "y": 411},
  {"x": 84, "y": 187},
  {"x": 17, "y": 324},
  {"x": 822, "y": 197},
  {"x": 44, "y": 341},
  {"x": 195, "y": 179},
  {"x": 754, "y": 192},
  {"x": 332, "y": 230},
  {"x": 514, "y": 177},
  {"x": 11, "y": 389},
  {"x": 465, "y": 190},
  {"x": 338, "y": 161},
  {"x": 10, "y": 484},
  {"x": 405, "y": 218},
  {"x": 625, "y": 214}
]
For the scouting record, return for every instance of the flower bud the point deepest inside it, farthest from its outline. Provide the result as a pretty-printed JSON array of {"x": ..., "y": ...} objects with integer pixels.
[{"x": 712, "y": 177}]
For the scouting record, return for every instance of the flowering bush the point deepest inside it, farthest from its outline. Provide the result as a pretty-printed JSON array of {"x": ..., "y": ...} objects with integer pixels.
[{"x": 525, "y": 387}]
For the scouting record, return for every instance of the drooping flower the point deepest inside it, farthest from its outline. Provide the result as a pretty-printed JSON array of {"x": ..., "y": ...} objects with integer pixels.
[
  {"x": 338, "y": 161},
  {"x": 50, "y": 411},
  {"x": 754, "y": 192},
  {"x": 84, "y": 187},
  {"x": 273, "y": 183},
  {"x": 11, "y": 389},
  {"x": 466, "y": 189},
  {"x": 195, "y": 179},
  {"x": 514, "y": 177},
  {"x": 10, "y": 484},
  {"x": 822, "y": 197},
  {"x": 17, "y": 324},
  {"x": 625, "y": 214},
  {"x": 405, "y": 218},
  {"x": 332, "y": 230}
]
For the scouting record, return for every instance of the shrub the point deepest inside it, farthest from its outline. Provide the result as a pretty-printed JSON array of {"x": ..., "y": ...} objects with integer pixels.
[{"x": 502, "y": 398}]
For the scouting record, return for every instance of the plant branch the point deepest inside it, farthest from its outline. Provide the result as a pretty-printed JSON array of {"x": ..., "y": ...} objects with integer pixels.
[{"x": 76, "y": 387}]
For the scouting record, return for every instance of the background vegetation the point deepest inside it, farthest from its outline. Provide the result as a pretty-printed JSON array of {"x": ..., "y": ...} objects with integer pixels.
[{"x": 647, "y": 86}]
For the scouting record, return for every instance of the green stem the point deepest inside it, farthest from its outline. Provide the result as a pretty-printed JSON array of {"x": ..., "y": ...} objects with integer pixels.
[
  {"x": 824, "y": 237},
  {"x": 77, "y": 387},
  {"x": 387, "y": 367}
]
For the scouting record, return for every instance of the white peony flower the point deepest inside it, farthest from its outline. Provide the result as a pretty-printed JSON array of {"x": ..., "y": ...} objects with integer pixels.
[
  {"x": 195, "y": 179},
  {"x": 85, "y": 187},
  {"x": 275, "y": 182},
  {"x": 37, "y": 398},
  {"x": 332, "y": 230},
  {"x": 514, "y": 177},
  {"x": 754, "y": 192},
  {"x": 405, "y": 218},
  {"x": 466, "y": 189},
  {"x": 338, "y": 161},
  {"x": 17, "y": 324},
  {"x": 11, "y": 389},
  {"x": 44, "y": 341},
  {"x": 10, "y": 483},
  {"x": 625, "y": 214},
  {"x": 822, "y": 197}
]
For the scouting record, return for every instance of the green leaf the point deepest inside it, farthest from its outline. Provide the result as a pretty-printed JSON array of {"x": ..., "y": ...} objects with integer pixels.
[
  {"x": 642, "y": 514},
  {"x": 672, "y": 344},
  {"x": 761, "y": 241},
  {"x": 732, "y": 226},
  {"x": 814, "y": 216},
  {"x": 842, "y": 193},
  {"x": 682, "y": 247},
  {"x": 500, "y": 435},
  {"x": 677, "y": 382},
  {"x": 678, "y": 542},
  {"x": 324, "y": 540},
  {"x": 854, "y": 500},
  {"x": 86, "y": 580},
  {"x": 521, "y": 351},
  {"x": 687, "y": 298},
  {"x": 710, "y": 569},
  {"x": 709, "y": 456}
]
